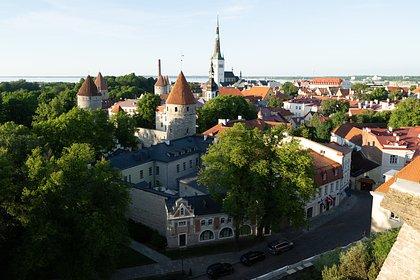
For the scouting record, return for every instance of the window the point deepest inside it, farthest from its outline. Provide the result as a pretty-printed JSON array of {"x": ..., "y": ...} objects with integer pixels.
[
  {"x": 181, "y": 211},
  {"x": 324, "y": 176},
  {"x": 157, "y": 170},
  {"x": 373, "y": 143},
  {"x": 209, "y": 222},
  {"x": 190, "y": 163},
  {"x": 177, "y": 168},
  {"x": 150, "y": 184},
  {"x": 184, "y": 165},
  {"x": 222, "y": 220},
  {"x": 161, "y": 124},
  {"x": 176, "y": 109},
  {"x": 226, "y": 232},
  {"x": 335, "y": 172},
  {"x": 394, "y": 217},
  {"x": 206, "y": 235},
  {"x": 336, "y": 185},
  {"x": 188, "y": 109},
  {"x": 150, "y": 171},
  {"x": 188, "y": 130},
  {"x": 393, "y": 159},
  {"x": 125, "y": 178},
  {"x": 203, "y": 222},
  {"x": 229, "y": 219},
  {"x": 141, "y": 174},
  {"x": 182, "y": 223}
]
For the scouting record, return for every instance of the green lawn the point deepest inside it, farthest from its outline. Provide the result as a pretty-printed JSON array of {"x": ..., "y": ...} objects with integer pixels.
[{"x": 130, "y": 258}]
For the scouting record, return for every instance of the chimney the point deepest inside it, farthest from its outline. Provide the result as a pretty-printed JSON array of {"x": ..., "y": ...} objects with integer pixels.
[
  {"x": 359, "y": 105},
  {"x": 159, "y": 72},
  {"x": 239, "y": 117},
  {"x": 397, "y": 138},
  {"x": 222, "y": 121},
  {"x": 371, "y": 104},
  {"x": 390, "y": 128}
]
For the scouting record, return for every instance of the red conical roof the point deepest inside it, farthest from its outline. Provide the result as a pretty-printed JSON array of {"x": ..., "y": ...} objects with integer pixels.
[
  {"x": 88, "y": 88},
  {"x": 181, "y": 92},
  {"x": 160, "y": 81},
  {"x": 100, "y": 82}
]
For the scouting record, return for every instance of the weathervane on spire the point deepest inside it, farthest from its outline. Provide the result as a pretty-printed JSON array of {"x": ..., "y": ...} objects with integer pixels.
[{"x": 182, "y": 56}]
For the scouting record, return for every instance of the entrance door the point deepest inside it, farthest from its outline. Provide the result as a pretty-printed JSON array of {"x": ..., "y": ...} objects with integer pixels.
[
  {"x": 366, "y": 187},
  {"x": 182, "y": 240}
]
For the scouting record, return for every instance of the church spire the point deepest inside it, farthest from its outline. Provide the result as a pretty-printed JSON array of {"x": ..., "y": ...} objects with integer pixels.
[{"x": 217, "y": 54}]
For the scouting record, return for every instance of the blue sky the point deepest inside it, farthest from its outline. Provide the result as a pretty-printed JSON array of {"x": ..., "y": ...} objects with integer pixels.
[{"x": 283, "y": 37}]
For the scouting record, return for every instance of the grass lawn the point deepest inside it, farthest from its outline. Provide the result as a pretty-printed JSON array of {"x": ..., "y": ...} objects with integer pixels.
[{"x": 130, "y": 258}]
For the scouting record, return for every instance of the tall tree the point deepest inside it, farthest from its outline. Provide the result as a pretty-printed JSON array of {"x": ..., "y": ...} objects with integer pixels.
[
  {"x": 260, "y": 178},
  {"x": 19, "y": 106},
  {"x": 75, "y": 220},
  {"x": 146, "y": 110},
  {"x": 275, "y": 102},
  {"x": 290, "y": 88},
  {"x": 407, "y": 113},
  {"x": 124, "y": 129},
  {"x": 331, "y": 106},
  {"x": 225, "y": 107}
]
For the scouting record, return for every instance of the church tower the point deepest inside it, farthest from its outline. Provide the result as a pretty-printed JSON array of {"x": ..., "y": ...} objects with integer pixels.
[
  {"x": 102, "y": 86},
  {"x": 212, "y": 90},
  {"x": 88, "y": 96},
  {"x": 218, "y": 60},
  {"x": 179, "y": 116}
]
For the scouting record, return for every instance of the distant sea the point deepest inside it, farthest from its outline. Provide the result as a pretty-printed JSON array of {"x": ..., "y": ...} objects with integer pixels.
[{"x": 75, "y": 79}]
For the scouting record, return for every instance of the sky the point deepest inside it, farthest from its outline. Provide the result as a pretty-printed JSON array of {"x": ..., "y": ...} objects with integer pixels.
[{"x": 260, "y": 38}]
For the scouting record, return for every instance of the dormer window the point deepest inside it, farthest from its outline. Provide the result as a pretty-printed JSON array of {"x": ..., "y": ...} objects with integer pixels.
[
  {"x": 324, "y": 176},
  {"x": 181, "y": 211}
]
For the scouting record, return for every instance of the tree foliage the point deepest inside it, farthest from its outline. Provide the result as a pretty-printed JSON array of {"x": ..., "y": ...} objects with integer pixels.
[
  {"x": 275, "y": 102},
  {"x": 19, "y": 106},
  {"x": 124, "y": 128},
  {"x": 407, "y": 113},
  {"x": 379, "y": 93},
  {"x": 129, "y": 86},
  {"x": 289, "y": 88},
  {"x": 372, "y": 117},
  {"x": 321, "y": 130},
  {"x": 331, "y": 106},
  {"x": 260, "y": 178},
  {"x": 224, "y": 107},
  {"x": 146, "y": 110}
]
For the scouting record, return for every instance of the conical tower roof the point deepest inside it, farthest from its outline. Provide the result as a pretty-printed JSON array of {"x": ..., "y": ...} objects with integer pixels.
[
  {"x": 181, "y": 92},
  {"x": 160, "y": 80},
  {"x": 88, "y": 88},
  {"x": 100, "y": 82}
]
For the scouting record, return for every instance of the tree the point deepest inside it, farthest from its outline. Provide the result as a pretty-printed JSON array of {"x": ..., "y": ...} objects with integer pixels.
[
  {"x": 124, "y": 129},
  {"x": 77, "y": 126},
  {"x": 322, "y": 129},
  {"x": 331, "y": 106},
  {"x": 379, "y": 93},
  {"x": 396, "y": 95},
  {"x": 258, "y": 177},
  {"x": 359, "y": 90},
  {"x": 289, "y": 88},
  {"x": 146, "y": 110},
  {"x": 338, "y": 119},
  {"x": 75, "y": 216},
  {"x": 407, "y": 113},
  {"x": 275, "y": 102},
  {"x": 372, "y": 117},
  {"x": 224, "y": 107},
  {"x": 22, "y": 101}
]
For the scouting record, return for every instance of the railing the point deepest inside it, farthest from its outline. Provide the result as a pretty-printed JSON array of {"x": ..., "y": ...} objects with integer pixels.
[{"x": 277, "y": 274}]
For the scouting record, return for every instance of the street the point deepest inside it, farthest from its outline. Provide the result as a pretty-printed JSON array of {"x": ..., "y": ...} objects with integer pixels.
[{"x": 345, "y": 228}]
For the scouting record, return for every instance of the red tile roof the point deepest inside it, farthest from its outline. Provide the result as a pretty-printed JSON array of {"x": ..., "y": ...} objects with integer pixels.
[
  {"x": 230, "y": 91},
  {"x": 401, "y": 138},
  {"x": 100, "y": 82},
  {"x": 258, "y": 91},
  {"x": 116, "y": 108},
  {"x": 88, "y": 88},
  {"x": 181, "y": 92},
  {"x": 326, "y": 81},
  {"x": 256, "y": 123},
  {"x": 323, "y": 165}
]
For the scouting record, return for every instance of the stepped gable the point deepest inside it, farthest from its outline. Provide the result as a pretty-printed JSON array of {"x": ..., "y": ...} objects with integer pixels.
[
  {"x": 88, "y": 88},
  {"x": 181, "y": 92},
  {"x": 100, "y": 82}
]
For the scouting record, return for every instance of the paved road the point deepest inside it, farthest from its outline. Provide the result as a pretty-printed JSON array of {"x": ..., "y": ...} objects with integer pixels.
[{"x": 345, "y": 228}]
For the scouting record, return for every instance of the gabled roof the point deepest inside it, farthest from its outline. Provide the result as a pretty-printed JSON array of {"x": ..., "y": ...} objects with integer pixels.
[
  {"x": 325, "y": 168},
  {"x": 326, "y": 81},
  {"x": 262, "y": 91},
  {"x": 181, "y": 92},
  {"x": 88, "y": 88},
  {"x": 411, "y": 172},
  {"x": 100, "y": 82},
  {"x": 230, "y": 91},
  {"x": 117, "y": 108}
]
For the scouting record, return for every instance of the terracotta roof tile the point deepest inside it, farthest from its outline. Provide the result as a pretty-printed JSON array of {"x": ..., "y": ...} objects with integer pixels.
[
  {"x": 181, "y": 92},
  {"x": 384, "y": 188},
  {"x": 323, "y": 165},
  {"x": 230, "y": 91},
  {"x": 100, "y": 82},
  {"x": 262, "y": 91},
  {"x": 160, "y": 82},
  {"x": 411, "y": 171},
  {"x": 326, "y": 81},
  {"x": 417, "y": 90},
  {"x": 256, "y": 123},
  {"x": 117, "y": 108},
  {"x": 88, "y": 88}
]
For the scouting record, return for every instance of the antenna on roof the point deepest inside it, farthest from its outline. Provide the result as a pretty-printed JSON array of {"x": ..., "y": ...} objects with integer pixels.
[{"x": 182, "y": 57}]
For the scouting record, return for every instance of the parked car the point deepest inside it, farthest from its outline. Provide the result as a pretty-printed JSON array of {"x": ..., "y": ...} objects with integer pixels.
[
  {"x": 219, "y": 269},
  {"x": 280, "y": 245},
  {"x": 252, "y": 257}
]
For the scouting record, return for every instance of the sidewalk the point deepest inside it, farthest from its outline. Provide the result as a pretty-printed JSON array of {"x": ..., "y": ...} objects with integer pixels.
[{"x": 198, "y": 265}]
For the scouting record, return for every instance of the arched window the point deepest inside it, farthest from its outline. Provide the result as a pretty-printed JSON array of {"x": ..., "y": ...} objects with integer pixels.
[
  {"x": 226, "y": 232},
  {"x": 206, "y": 235}
]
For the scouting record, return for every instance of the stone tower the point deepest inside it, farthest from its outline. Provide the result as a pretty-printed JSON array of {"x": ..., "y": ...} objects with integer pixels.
[
  {"x": 161, "y": 86},
  {"x": 88, "y": 96},
  {"x": 212, "y": 90},
  {"x": 179, "y": 116},
  {"x": 102, "y": 86},
  {"x": 218, "y": 60}
]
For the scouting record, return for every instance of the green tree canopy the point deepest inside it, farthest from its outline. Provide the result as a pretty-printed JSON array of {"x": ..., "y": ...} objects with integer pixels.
[
  {"x": 225, "y": 107},
  {"x": 372, "y": 117},
  {"x": 407, "y": 113},
  {"x": 146, "y": 110},
  {"x": 19, "y": 106},
  {"x": 275, "y": 102},
  {"x": 75, "y": 212},
  {"x": 259, "y": 177},
  {"x": 379, "y": 93},
  {"x": 289, "y": 88},
  {"x": 77, "y": 126},
  {"x": 321, "y": 129},
  {"x": 331, "y": 106},
  {"x": 124, "y": 128}
]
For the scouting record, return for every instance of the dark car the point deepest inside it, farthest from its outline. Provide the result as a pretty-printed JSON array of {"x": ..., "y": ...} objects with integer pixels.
[
  {"x": 219, "y": 269},
  {"x": 277, "y": 246},
  {"x": 252, "y": 257}
]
